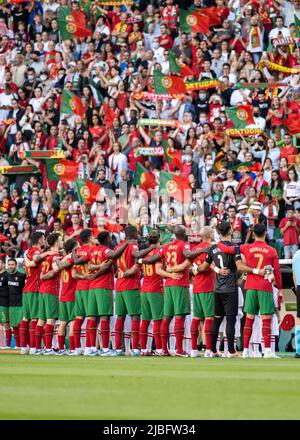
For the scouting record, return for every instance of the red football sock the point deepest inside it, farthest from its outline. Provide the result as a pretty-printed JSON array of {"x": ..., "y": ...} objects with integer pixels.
[
  {"x": 266, "y": 332},
  {"x": 38, "y": 337},
  {"x": 71, "y": 342},
  {"x": 164, "y": 334},
  {"x": 8, "y": 337},
  {"x": 248, "y": 331},
  {"x": 194, "y": 333},
  {"x": 119, "y": 327},
  {"x": 61, "y": 341},
  {"x": 49, "y": 331},
  {"x": 156, "y": 333},
  {"x": 91, "y": 329},
  {"x": 32, "y": 328},
  {"x": 208, "y": 325},
  {"x": 24, "y": 334},
  {"x": 179, "y": 332},
  {"x": 17, "y": 335},
  {"x": 105, "y": 334},
  {"x": 144, "y": 333},
  {"x": 135, "y": 330},
  {"x": 77, "y": 332}
]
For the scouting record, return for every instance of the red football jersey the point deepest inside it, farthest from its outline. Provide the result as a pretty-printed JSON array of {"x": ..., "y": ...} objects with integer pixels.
[
  {"x": 99, "y": 255},
  {"x": 203, "y": 282},
  {"x": 172, "y": 255},
  {"x": 258, "y": 255},
  {"x": 33, "y": 281},
  {"x": 125, "y": 262},
  {"x": 68, "y": 283},
  {"x": 83, "y": 269},
  {"x": 151, "y": 281},
  {"x": 50, "y": 286}
]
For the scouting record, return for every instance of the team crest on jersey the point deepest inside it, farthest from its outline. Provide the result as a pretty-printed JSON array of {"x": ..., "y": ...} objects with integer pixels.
[
  {"x": 191, "y": 20},
  {"x": 59, "y": 169},
  {"x": 85, "y": 192},
  {"x": 167, "y": 82},
  {"x": 171, "y": 186},
  {"x": 71, "y": 27},
  {"x": 242, "y": 114}
]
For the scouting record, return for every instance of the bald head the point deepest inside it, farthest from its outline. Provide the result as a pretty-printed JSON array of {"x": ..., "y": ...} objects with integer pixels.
[{"x": 207, "y": 233}]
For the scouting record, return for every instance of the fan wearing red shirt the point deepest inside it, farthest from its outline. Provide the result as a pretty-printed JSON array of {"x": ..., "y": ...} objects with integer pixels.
[
  {"x": 259, "y": 290},
  {"x": 152, "y": 301},
  {"x": 165, "y": 41},
  {"x": 100, "y": 299},
  {"x": 82, "y": 274},
  {"x": 288, "y": 151},
  {"x": 67, "y": 295},
  {"x": 176, "y": 291},
  {"x": 76, "y": 228},
  {"x": 48, "y": 300},
  {"x": 290, "y": 229},
  {"x": 32, "y": 259},
  {"x": 128, "y": 301}
]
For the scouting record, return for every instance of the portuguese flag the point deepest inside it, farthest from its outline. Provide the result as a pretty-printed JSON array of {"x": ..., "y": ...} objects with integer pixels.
[
  {"x": 192, "y": 21},
  {"x": 67, "y": 14},
  {"x": 87, "y": 191},
  {"x": 297, "y": 26},
  {"x": 240, "y": 116},
  {"x": 214, "y": 13},
  {"x": 175, "y": 186},
  {"x": 168, "y": 85},
  {"x": 109, "y": 115},
  {"x": 64, "y": 170},
  {"x": 72, "y": 104},
  {"x": 177, "y": 67},
  {"x": 69, "y": 29},
  {"x": 144, "y": 178},
  {"x": 173, "y": 157},
  {"x": 18, "y": 169}
]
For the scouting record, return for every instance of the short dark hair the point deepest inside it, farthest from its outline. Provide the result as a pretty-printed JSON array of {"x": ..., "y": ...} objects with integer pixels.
[
  {"x": 35, "y": 237},
  {"x": 153, "y": 237},
  {"x": 85, "y": 235},
  {"x": 259, "y": 229},
  {"x": 130, "y": 231},
  {"x": 224, "y": 228},
  {"x": 12, "y": 259},
  {"x": 231, "y": 206},
  {"x": 52, "y": 239},
  {"x": 70, "y": 244},
  {"x": 103, "y": 236}
]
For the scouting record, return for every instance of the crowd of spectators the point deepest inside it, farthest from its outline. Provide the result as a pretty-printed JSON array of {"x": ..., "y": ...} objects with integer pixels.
[{"x": 128, "y": 43}]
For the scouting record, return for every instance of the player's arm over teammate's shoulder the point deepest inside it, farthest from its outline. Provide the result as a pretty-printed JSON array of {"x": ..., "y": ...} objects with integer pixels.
[{"x": 165, "y": 274}]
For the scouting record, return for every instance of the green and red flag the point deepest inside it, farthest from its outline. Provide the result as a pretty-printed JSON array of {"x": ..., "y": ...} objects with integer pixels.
[
  {"x": 70, "y": 29},
  {"x": 176, "y": 67},
  {"x": 18, "y": 169},
  {"x": 240, "y": 166},
  {"x": 144, "y": 178},
  {"x": 61, "y": 169},
  {"x": 297, "y": 26},
  {"x": 167, "y": 84},
  {"x": 240, "y": 116},
  {"x": 42, "y": 154},
  {"x": 87, "y": 191},
  {"x": 67, "y": 14},
  {"x": 109, "y": 115},
  {"x": 175, "y": 186},
  {"x": 71, "y": 104},
  {"x": 173, "y": 157},
  {"x": 192, "y": 21}
]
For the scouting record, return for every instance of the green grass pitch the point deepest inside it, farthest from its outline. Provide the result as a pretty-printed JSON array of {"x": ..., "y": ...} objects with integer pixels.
[{"x": 148, "y": 388}]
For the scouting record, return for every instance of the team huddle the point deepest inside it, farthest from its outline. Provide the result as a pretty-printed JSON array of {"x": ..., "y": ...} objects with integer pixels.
[{"x": 85, "y": 284}]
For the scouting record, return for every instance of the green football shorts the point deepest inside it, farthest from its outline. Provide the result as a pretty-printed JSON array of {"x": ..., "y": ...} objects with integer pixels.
[
  {"x": 48, "y": 306},
  {"x": 81, "y": 303},
  {"x": 152, "y": 306},
  {"x": 128, "y": 302},
  {"x": 203, "y": 305},
  {"x": 258, "y": 301},
  {"x": 4, "y": 314},
  {"x": 66, "y": 311},
  {"x": 100, "y": 302},
  {"x": 176, "y": 301},
  {"x": 15, "y": 315},
  {"x": 30, "y": 302}
]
